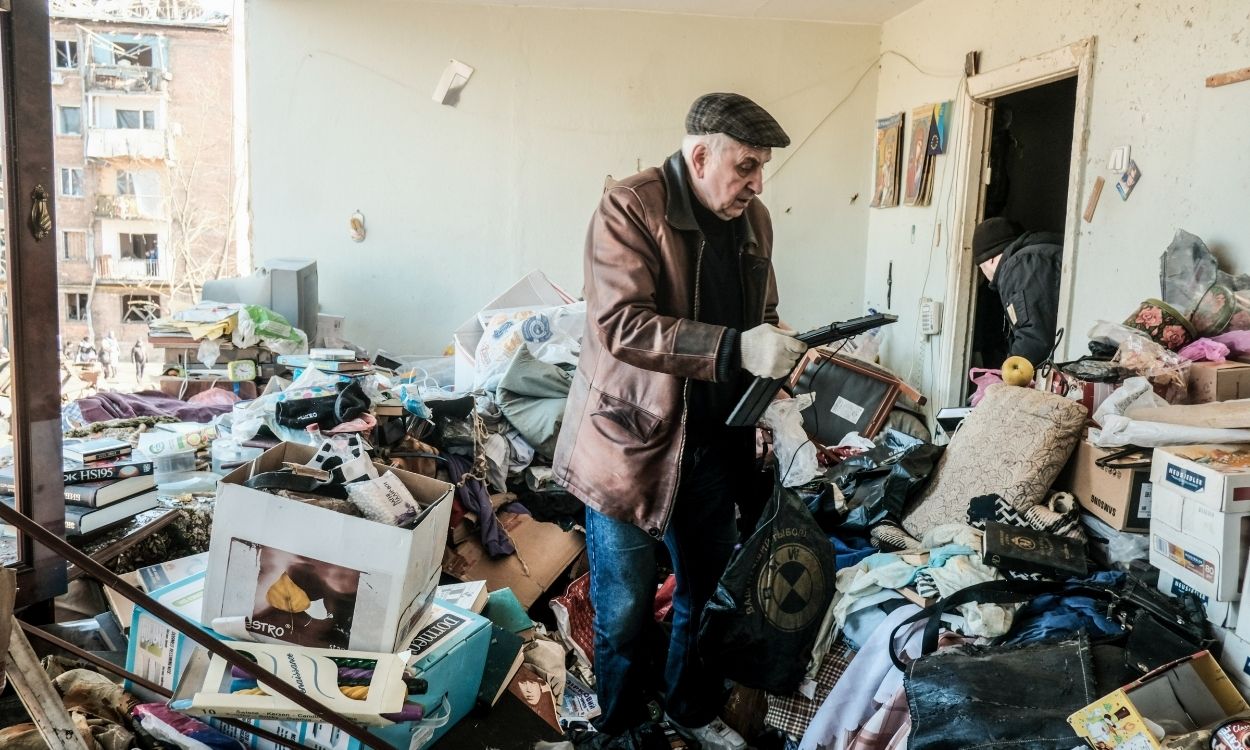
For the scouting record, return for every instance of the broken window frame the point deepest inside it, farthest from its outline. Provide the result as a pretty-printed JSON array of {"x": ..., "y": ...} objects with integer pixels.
[
  {"x": 141, "y": 308},
  {"x": 68, "y": 53}
]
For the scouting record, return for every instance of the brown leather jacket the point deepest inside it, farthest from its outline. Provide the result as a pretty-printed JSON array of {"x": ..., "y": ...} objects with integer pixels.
[{"x": 624, "y": 431}]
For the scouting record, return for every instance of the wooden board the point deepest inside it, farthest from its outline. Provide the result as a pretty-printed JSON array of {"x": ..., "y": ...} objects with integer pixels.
[
  {"x": 1232, "y": 76},
  {"x": 1221, "y": 414},
  {"x": 31, "y": 683},
  {"x": 1094, "y": 193}
]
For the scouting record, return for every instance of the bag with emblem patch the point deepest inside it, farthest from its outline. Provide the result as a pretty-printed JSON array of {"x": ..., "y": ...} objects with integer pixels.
[{"x": 761, "y": 623}]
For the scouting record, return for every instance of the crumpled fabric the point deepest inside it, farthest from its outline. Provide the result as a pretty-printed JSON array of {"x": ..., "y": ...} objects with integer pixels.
[
  {"x": 850, "y": 550},
  {"x": 1204, "y": 350},
  {"x": 869, "y": 682},
  {"x": 532, "y": 394},
  {"x": 871, "y": 576},
  {"x": 473, "y": 497},
  {"x": 958, "y": 573},
  {"x": 1054, "y": 617},
  {"x": 548, "y": 657}
]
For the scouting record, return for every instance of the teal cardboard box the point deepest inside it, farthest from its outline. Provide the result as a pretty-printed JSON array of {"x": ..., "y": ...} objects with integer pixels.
[
  {"x": 449, "y": 651},
  {"x": 157, "y": 651}
]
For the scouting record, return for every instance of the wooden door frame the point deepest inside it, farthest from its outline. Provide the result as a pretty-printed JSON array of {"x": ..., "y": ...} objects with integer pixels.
[
  {"x": 33, "y": 293},
  {"x": 1074, "y": 60}
]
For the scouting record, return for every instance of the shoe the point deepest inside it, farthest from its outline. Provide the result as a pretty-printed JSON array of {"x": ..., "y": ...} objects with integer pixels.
[{"x": 715, "y": 735}]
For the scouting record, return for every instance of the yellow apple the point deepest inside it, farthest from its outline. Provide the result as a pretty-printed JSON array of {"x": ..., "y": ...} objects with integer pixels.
[{"x": 1017, "y": 371}]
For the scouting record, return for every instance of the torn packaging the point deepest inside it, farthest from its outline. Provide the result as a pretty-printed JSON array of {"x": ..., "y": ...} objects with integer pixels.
[{"x": 544, "y": 551}]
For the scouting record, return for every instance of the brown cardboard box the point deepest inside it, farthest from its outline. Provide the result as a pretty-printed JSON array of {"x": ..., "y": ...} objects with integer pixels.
[
  {"x": 544, "y": 551},
  {"x": 1119, "y": 496},
  {"x": 1218, "y": 381}
]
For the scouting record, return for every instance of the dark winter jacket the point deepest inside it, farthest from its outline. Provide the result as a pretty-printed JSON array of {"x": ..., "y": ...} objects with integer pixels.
[{"x": 1027, "y": 281}]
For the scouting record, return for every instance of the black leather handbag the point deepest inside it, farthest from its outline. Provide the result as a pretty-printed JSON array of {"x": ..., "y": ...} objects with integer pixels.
[{"x": 972, "y": 697}]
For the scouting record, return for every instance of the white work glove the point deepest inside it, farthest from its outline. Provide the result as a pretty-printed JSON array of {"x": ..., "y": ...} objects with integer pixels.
[{"x": 769, "y": 351}]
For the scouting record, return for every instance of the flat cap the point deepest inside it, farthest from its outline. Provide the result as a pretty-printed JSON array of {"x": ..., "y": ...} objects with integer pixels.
[{"x": 737, "y": 117}]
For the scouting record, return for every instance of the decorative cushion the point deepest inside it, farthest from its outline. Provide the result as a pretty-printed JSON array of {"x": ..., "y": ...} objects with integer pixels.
[{"x": 1012, "y": 445}]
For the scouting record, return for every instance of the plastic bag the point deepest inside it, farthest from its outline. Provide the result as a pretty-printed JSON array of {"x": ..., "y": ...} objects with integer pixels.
[
  {"x": 983, "y": 378},
  {"x": 259, "y": 325},
  {"x": 1134, "y": 393},
  {"x": 552, "y": 334},
  {"x": 1110, "y": 548},
  {"x": 766, "y": 614},
  {"x": 1187, "y": 269},
  {"x": 796, "y": 454},
  {"x": 1208, "y": 350},
  {"x": 875, "y": 486},
  {"x": 1167, "y": 371},
  {"x": 1120, "y": 432}
]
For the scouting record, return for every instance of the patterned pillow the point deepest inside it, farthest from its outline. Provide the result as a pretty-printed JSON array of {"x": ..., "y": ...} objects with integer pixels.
[{"x": 1013, "y": 445}]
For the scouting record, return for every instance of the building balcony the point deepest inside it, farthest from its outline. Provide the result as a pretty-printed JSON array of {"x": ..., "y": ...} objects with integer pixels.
[
  {"x": 128, "y": 207},
  {"x": 110, "y": 268},
  {"x": 111, "y": 143},
  {"x": 130, "y": 79}
]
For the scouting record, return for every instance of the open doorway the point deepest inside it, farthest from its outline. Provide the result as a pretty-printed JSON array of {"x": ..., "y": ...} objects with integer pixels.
[{"x": 1028, "y": 177}]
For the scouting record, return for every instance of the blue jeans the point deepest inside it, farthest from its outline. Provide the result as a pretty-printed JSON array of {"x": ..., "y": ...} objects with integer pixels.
[{"x": 700, "y": 538}]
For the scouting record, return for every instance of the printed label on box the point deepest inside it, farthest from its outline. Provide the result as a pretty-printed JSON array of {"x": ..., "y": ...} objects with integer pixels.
[
  {"x": 1143, "y": 507},
  {"x": 1187, "y": 560},
  {"x": 1179, "y": 587},
  {"x": 848, "y": 410},
  {"x": 1105, "y": 506},
  {"x": 1185, "y": 479},
  {"x": 156, "y": 652},
  {"x": 435, "y": 632}
]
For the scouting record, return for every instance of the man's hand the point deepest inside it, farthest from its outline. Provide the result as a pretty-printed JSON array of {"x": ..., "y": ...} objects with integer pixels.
[{"x": 769, "y": 351}]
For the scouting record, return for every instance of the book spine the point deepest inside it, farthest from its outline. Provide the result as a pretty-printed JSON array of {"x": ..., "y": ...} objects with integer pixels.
[
  {"x": 103, "y": 473},
  {"x": 101, "y": 456},
  {"x": 80, "y": 496}
]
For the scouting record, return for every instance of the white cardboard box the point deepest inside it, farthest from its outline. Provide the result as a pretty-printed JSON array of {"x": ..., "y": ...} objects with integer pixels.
[
  {"x": 1220, "y": 614},
  {"x": 1203, "y": 548},
  {"x": 1235, "y": 657},
  {"x": 533, "y": 289},
  {"x": 1217, "y": 476},
  {"x": 361, "y": 585}
]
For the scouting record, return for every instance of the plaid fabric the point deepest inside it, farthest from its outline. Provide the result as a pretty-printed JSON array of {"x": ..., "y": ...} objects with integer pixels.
[
  {"x": 792, "y": 713},
  {"x": 735, "y": 116}
]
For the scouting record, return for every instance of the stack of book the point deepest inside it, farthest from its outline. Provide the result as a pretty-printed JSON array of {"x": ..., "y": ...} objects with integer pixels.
[{"x": 106, "y": 483}]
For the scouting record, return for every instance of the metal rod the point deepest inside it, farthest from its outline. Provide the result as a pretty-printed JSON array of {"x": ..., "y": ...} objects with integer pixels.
[
  {"x": 160, "y": 690},
  {"x": 187, "y": 628}
]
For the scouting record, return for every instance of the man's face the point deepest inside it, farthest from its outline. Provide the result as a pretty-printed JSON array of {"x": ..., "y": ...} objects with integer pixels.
[
  {"x": 727, "y": 181},
  {"x": 990, "y": 267}
]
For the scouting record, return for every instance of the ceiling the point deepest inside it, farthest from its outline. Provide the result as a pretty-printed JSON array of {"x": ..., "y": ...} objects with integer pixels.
[{"x": 839, "y": 11}]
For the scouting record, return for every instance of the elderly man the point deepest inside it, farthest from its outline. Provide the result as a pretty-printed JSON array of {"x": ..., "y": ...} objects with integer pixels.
[{"x": 681, "y": 311}]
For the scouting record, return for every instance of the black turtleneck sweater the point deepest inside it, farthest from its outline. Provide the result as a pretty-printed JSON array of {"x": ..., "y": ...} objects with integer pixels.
[{"x": 720, "y": 303}]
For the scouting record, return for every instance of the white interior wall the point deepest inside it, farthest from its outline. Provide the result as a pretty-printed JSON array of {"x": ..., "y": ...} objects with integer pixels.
[
  {"x": 460, "y": 201},
  {"x": 1148, "y": 92}
]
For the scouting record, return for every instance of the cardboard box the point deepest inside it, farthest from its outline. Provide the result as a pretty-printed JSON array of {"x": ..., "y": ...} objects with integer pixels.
[
  {"x": 365, "y": 585},
  {"x": 1217, "y": 476},
  {"x": 1119, "y": 493},
  {"x": 150, "y": 579},
  {"x": 546, "y": 548},
  {"x": 1234, "y": 657},
  {"x": 535, "y": 289},
  {"x": 158, "y": 652},
  {"x": 1220, "y": 614},
  {"x": 1192, "y": 693},
  {"x": 1218, "y": 381},
  {"x": 449, "y": 652},
  {"x": 208, "y": 687},
  {"x": 1205, "y": 549}
]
